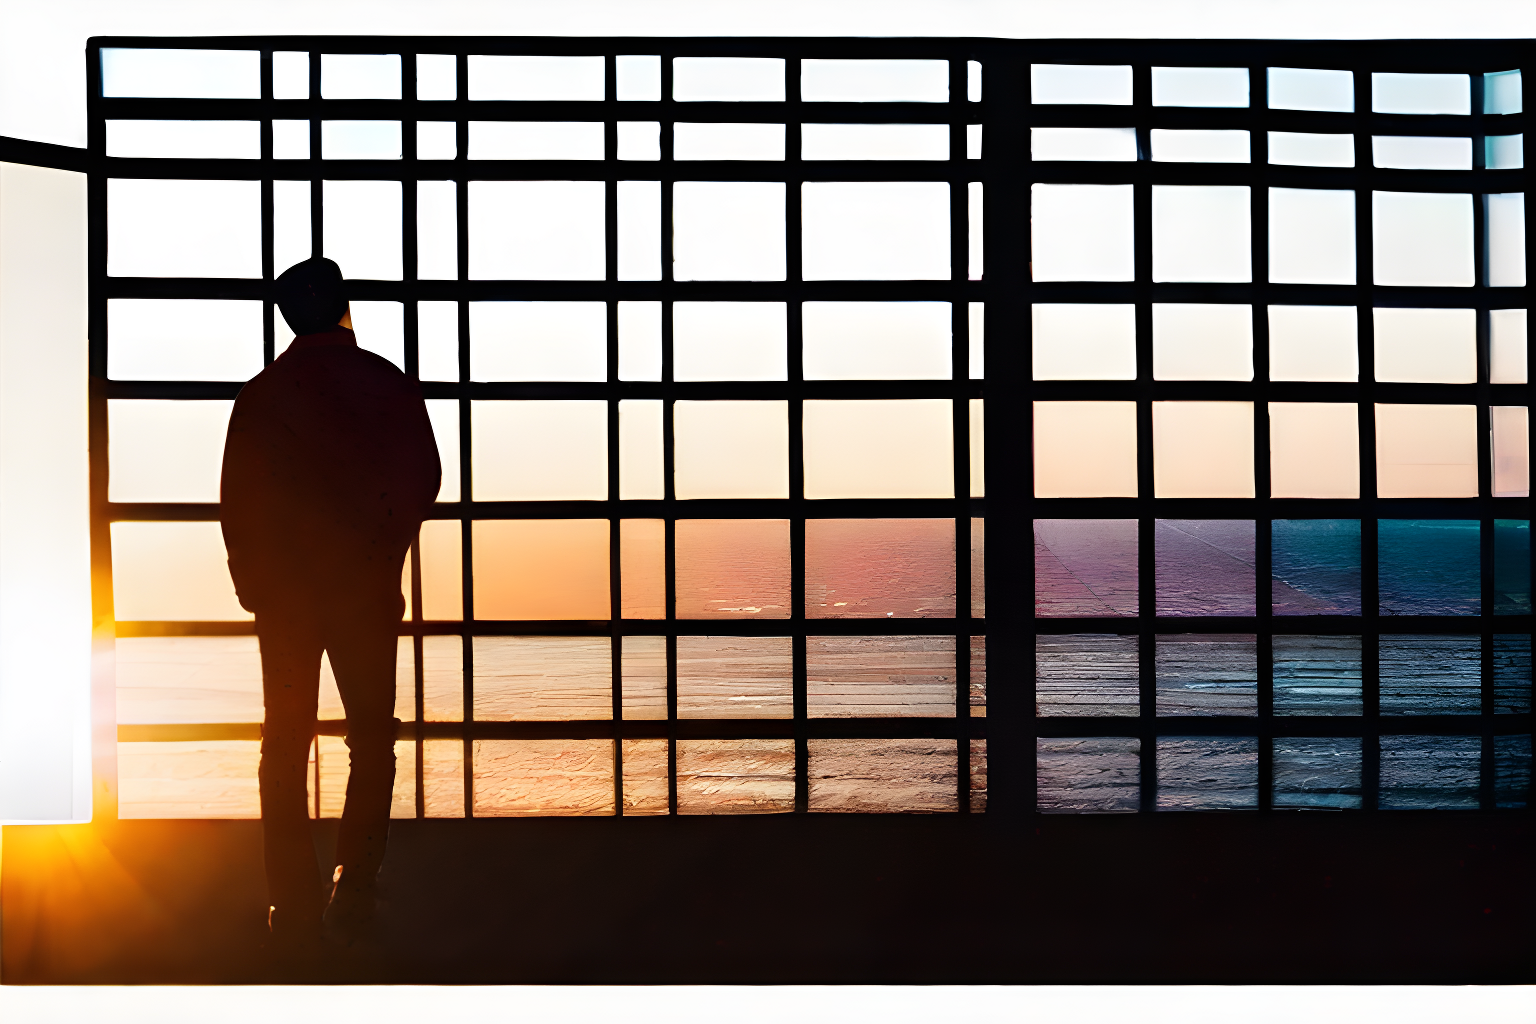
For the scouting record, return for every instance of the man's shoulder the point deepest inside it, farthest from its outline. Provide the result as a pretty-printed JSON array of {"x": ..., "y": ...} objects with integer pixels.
[{"x": 332, "y": 366}]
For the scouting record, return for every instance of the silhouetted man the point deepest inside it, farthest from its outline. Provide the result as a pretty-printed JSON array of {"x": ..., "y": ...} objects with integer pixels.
[{"x": 329, "y": 468}]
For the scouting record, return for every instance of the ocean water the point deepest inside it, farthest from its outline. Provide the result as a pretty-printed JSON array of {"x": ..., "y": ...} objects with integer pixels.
[
  {"x": 1512, "y": 673},
  {"x": 1315, "y": 565},
  {"x": 1087, "y": 674},
  {"x": 1205, "y": 566},
  {"x": 733, "y": 569},
  {"x": 735, "y": 776},
  {"x": 883, "y": 776},
  {"x": 880, "y": 676},
  {"x": 1207, "y": 674},
  {"x": 1431, "y": 675},
  {"x": 735, "y": 677},
  {"x": 879, "y": 568},
  {"x": 524, "y": 778},
  {"x": 543, "y": 678},
  {"x": 1430, "y": 772},
  {"x": 1429, "y": 566},
  {"x": 1085, "y": 567},
  {"x": 1097, "y": 773},
  {"x": 1511, "y": 567},
  {"x": 1512, "y": 770},
  {"x": 1316, "y": 771},
  {"x": 1207, "y": 773},
  {"x": 1317, "y": 675}
]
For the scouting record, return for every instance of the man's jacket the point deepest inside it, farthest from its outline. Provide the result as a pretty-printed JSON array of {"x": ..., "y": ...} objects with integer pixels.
[{"x": 330, "y": 467}]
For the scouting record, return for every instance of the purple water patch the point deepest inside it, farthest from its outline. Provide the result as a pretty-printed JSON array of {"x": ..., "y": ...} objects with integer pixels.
[
  {"x": 1205, "y": 567},
  {"x": 1085, "y": 568}
]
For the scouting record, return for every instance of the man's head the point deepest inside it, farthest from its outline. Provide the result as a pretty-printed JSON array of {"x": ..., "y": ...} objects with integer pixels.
[{"x": 312, "y": 296}]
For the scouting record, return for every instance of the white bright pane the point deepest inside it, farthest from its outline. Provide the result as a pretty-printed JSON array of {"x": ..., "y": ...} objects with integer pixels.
[
  {"x": 1426, "y": 346},
  {"x": 639, "y": 341},
  {"x": 637, "y": 77},
  {"x": 1083, "y": 341},
  {"x": 875, "y": 230},
  {"x": 972, "y": 141},
  {"x": 973, "y": 81},
  {"x": 290, "y": 140},
  {"x": 502, "y": 77},
  {"x": 1080, "y": 83},
  {"x": 1202, "y": 449},
  {"x": 874, "y": 81},
  {"x": 1308, "y": 149},
  {"x": 1199, "y": 87},
  {"x": 214, "y": 140},
  {"x": 1502, "y": 93},
  {"x": 536, "y": 140},
  {"x": 894, "y": 448},
  {"x": 437, "y": 76},
  {"x": 639, "y": 217},
  {"x": 1511, "y": 451},
  {"x": 290, "y": 75},
  {"x": 164, "y": 450},
  {"x": 437, "y": 341},
  {"x": 638, "y": 140},
  {"x": 1311, "y": 89},
  {"x": 1506, "y": 239},
  {"x": 1201, "y": 233},
  {"x": 720, "y": 140},
  {"x": 1082, "y": 143},
  {"x": 1201, "y": 341},
  {"x": 172, "y": 572},
  {"x": 1082, "y": 233},
  {"x": 1314, "y": 343},
  {"x": 550, "y": 341},
  {"x": 1311, "y": 236},
  {"x": 728, "y": 230},
  {"x": 444, "y": 416},
  {"x": 183, "y": 339},
  {"x": 1200, "y": 145},
  {"x": 1428, "y": 152},
  {"x": 728, "y": 79},
  {"x": 360, "y": 76},
  {"x": 878, "y": 340},
  {"x": 1085, "y": 449},
  {"x": 436, "y": 140},
  {"x": 362, "y": 228},
  {"x": 731, "y": 449},
  {"x": 1393, "y": 93},
  {"x": 977, "y": 316},
  {"x": 360, "y": 140},
  {"x": 1422, "y": 238},
  {"x": 536, "y": 231},
  {"x": 380, "y": 329},
  {"x": 976, "y": 221},
  {"x": 641, "y": 462},
  {"x": 159, "y": 227},
  {"x": 1507, "y": 346},
  {"x": 292, "y": 229},
  {"x": 879, "y": 141},
  {"x": 208, "y": 74},
  {"x": 1314, "y": 450},
  {"x": 437, "y": 231},
  {"x": 1504, "y": 152},
  {"x": 569, "y": 462},
  {"x": 1426, "y": 451},
  {"x": 729, "y": 341},
  {"x": 978, "y": 448}
]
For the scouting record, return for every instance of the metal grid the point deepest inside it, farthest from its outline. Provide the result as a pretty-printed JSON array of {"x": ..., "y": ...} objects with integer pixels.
[{"x": 1007, "y": 171}]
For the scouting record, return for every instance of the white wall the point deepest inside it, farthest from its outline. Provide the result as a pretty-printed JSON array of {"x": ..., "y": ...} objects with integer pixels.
[{"x": 45, "y": 579}]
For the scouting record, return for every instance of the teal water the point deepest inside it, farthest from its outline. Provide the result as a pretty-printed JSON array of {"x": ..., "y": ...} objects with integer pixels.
[
  {"x": 1511, "y": 567},
  {"x": 1429, "y": 566},
  {"x": 1315, "y": 565}
]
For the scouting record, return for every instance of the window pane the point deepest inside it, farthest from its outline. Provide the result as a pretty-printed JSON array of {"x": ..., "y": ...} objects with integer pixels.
[
  {"x": 1082, "y": 233},
  {"x": 167, "y": 228},
  {"x": 1512, "y": 673},
  {"x": 1087, "y": 775},
  {"x": 1507, "y": 337},
  {"x": 645, "y": 776},
  {"x": 1082, "y": 143},
  {"x": 879, "y": 568},
  {"x": 1202, "y": 449},
  {"x": 1426, "y": 451},
  {"x": 210, "y": 74},
  {"x": 639, "y": 216},
  {"x": 541, "y": 569},
  {"x": 1512, "y": 771},
  {"x": 729, "y": 341},
  {"x": 1083, "y": 342},
  {"x": 1504, "y": 215},
  {"x": 1085, "y": 449},
  {"x": 875, "y": 230},
  {"x": 188, "y": 779},
  {"x": 883, "y": 776},
  {"x": 536, "y": 140},
  {"x": 208, "y": 140},
  {"x": 728, "y": 231},
  {"x": 360, "y": 76},
  {"x": 520, "y": 77},
  {"x": 1314, "y": 450},
  {"x": 978, "y": 567},
  {"x": 437, "y": 76},
  {"x": 1317, "y": 675},
  {"x": 1207, "y": 674},
  {"x": 172, "y": 571},
  {"x": 1316, "y": 566},
  {"x": 639, "y": 341},
  {"x": 1087, "y": 674},
  {"x": 978, "y": 695},
  {"x": 554, "y": 341},
  {"x": 1429, "y": 772},
  {"x": 642, "y": 471},
  {"x": 444, "y": 416},
  {"x": 1085, "y": 567},
  {"x": 877, "y": 340},
  {"x": 1311, "y": 89},
  {"x": 1199, "y": 87},
  {"x": 735, "y": 776},
  {"x": 1311, "y": 236},
  {"x": 437, "y": 234},
  {"x": 570, "y": 462},
  {"x": 638, "y": 77},
  {"x": 638, "y": 140},
  {"x": 1309, "y": 149},
  {"x": 732, "y": 568},
  {"x": 362, "y": 228},
  {"x": 1430, "y": 152},
  {"x": 1317, "y": 343},
  {"x": 1511, "y": 567},
  {"x": 1420, "y": 94},
  {"x": 875, "y": 141},
  {"x": 188, "y": 679},
  {"x": 728, "y": 79},
  {"x": 874, "y": 81},
  {"x": 521, "y": 778},
  {"x": 442, "y": 663},
  {"x": 642, "y": 545},
  {"x": 183, "y": 339},
  {"x": 442, "y": 581},
  {"x": 645, "y": 688},
  {"x": 1511, "y": 451},
  {"x": 536, "y": 231},
  {"x": 1429, "y": 566},
  {"x": 1431, "y": 675},
  {"x": 1205, "y": 567},
  {"x": 1080, "y": 83},
  {"x": 543, "y": 678},
  {"x": 1201, "y": 341},
  {"x": 1200, "y": 146},
  {"x": 731, "y": 449},
  {"x": 879, "y": 448},
  {"x": 290, "y": 75},
  {"x": 1201, "y": 233},
  {"x": 1317, "y": 772},
  {"x": 1422, "y": 238},
  {"x": 360, "y": 140},
  {"x": 719, "y": 140},
  {"x": 881, "y": 676},
  {"x": 735, "y": 677},
  {"x": 1426, "y": 346},
  {"x": 1207, "y": 773}
]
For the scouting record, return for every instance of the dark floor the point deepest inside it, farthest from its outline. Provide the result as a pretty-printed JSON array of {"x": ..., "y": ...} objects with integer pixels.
[{"x": 1442, "y": 897}]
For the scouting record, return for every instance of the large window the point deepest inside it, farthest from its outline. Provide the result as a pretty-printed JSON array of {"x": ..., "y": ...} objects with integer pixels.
[{"x": 702, "y": 327}]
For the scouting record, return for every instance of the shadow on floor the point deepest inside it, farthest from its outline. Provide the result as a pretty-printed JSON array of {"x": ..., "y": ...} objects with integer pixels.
[{"x": 1442, "y": 897}]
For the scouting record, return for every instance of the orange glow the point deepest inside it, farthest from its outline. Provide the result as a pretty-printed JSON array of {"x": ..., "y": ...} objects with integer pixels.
[
  {"x": 442, "y": 557},
  {"x": 541, "y": 569},
  {"x": 643, "y": 564},
  {"x": 732, "y": 568}
]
